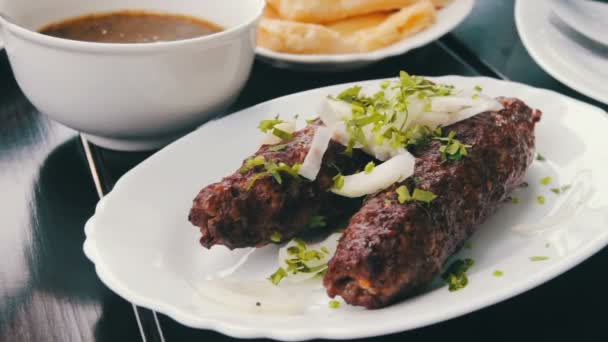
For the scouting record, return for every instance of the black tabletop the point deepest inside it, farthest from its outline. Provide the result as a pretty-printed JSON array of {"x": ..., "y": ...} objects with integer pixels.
[{"x": 51, "y": 180}]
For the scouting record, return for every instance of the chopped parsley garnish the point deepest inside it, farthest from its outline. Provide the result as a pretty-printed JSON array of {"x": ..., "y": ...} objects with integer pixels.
[
  {"x": 384, "y": 118},
  {"x": 539, "y": 258},
  {"x": 561, "y": 189},
  {"x": 478, "y": 88},
  {"x": 452, "y": 149},
  {"x": 403, "y": 195},
  {"x": 546, "y": 180},
  {"x": 267, "y": 125},
  {"x": 276, "y": 237},
  {"x": 277, "y": 148},
  {"x": 338, "y": 181},
  {"x": 333, "y": 304},
  {"x": 281, "y": 134},
  {"x": 540, "y": 157},
  {"x": 252, "y": 163},
  {"x": 370, "y": 167},
  {"x": 277, "y": 276},
  {"x": 514, "y": 200},
  {"x": 540, "y": 199},
  {"x": 498, "y": 273},
  {"x": 270, "y": 168},
  {"x": 423, "y": 196},
  {"x": 302, "y": 260},
  {"x": 317, "y": 221},
  {"x": 455, "y": 276},
  {"x": 475, "y": 96},
  {"x": 309, "y": 121}
]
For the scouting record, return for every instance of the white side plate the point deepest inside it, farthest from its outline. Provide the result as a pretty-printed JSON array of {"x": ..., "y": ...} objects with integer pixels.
[
  {"x": 145, "y": 249},
  {"x": 448, "y": 18},
  {"x": 562, "y": 52},
  {"x": 587, "y": 17}
]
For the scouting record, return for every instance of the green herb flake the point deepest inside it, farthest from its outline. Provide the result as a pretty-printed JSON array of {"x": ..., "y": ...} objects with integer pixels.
[
  {"x": 423, "y": 196},
  {"x": 498, "y": 273},
  {"x": 540, "y": 157},
  {"x": 333, "y": 304},
  {"x": 475, "y": 96},
  {"x": 313, "y": 120},
  {"x": 277, "y": 148},
  {"x": 252, "y": 163},
  {"x": 539, "y": 258},
  {"x": 304, "y": 260},
  {"x": 338, "y": 181},
  {"x": 267, "y": 125},
  {"x": 452, "y": 149},
  {"x": 561, "y": 189},
  {"x": 276, "y": 237},
  {"x": 277, "y": 276},
  {"x": 271, "y": 168},
  {"x": 514, "y": 200},
  {"x": 283, "y": 135},
  {"x": 546, "y": 180},
  {"x": 403, "y": 194},
  {"x": 540, "y": 199},
  {"x": 317, "y": 221},
  {"x": 455, "y": 276},
  {"x": 478, "y": 88},
  {"x": 370, "y": 167}
]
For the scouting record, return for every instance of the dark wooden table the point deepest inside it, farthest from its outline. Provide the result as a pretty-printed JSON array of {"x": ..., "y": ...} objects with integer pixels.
[{"x": 51, "y": 179}]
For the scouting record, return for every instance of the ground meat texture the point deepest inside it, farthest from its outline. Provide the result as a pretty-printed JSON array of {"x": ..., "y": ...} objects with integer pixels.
[
  {"x": 390, "y": 250},
  {"x": 229, "y": 214}
]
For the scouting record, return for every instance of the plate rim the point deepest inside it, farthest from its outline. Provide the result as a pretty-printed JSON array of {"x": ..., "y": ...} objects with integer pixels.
[
  {"x": 234, "y": 330},
  {"x": 520, "y": 7},
  {"x": 367, "y": 57},
  {"x": 562, "y": 13}
]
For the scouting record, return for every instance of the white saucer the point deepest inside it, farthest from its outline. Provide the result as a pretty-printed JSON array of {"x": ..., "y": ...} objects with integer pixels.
[
  {"x": 570, "y": 57},
  {"x": 590, "y": 18}
]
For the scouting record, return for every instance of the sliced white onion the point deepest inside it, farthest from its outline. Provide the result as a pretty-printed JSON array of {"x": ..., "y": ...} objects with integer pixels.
[
  {"x": 271, "y": 139},
  {"x": 332, "y": 111},
  {"x": 384, "y": 175},
  {"x": 450, "y": 104},
  {"x": 312, "y": 163},
  {"x": 484, "y": 105},
  {"x": 339, "y": 133},
  {"x": 330, "y": 242},
  {"x": 452, "y": 109}
]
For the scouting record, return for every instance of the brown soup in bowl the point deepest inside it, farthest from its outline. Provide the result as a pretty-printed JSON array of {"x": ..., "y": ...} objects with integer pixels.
[{"x": 131, "y": 26}]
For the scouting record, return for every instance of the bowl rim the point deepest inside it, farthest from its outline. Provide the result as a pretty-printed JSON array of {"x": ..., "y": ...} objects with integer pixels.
[{"x": 84, "y": 46}]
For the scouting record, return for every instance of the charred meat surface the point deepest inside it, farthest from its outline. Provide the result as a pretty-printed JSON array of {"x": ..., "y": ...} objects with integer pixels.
[
  {"x": 236, "y": 214},
  {"x": 389, "y": 250}
]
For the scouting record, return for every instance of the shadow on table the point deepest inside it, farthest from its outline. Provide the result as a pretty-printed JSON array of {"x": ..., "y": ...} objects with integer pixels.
[{"x": 60, "y": 275}]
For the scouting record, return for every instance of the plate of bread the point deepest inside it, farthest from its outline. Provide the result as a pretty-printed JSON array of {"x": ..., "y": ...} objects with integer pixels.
[{"x": 347, "y": 34}]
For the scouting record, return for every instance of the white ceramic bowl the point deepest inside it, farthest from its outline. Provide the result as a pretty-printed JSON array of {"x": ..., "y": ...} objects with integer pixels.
[{"x": 131, "y": 96}]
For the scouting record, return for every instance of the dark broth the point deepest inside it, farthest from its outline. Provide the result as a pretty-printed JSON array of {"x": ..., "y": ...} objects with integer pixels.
[{"x": 131, "y": 27}]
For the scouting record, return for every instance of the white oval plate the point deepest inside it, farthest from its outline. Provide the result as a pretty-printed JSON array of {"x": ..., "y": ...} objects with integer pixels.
[
  {"x": 145, "y": 249},
  {"x": 566, "y": 55},
  {"x": 587, "y": 17},
  {"x": 448, "y": 18}
]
